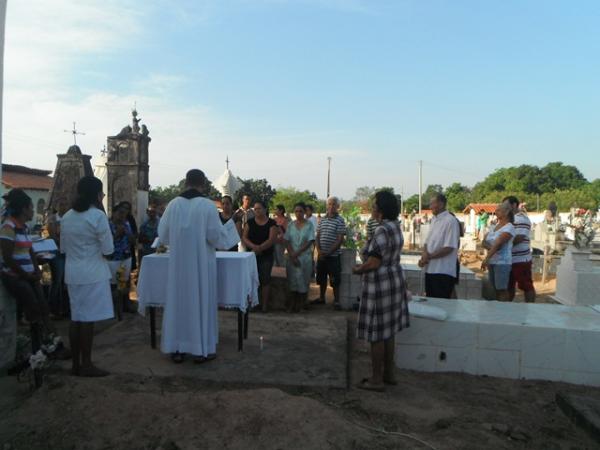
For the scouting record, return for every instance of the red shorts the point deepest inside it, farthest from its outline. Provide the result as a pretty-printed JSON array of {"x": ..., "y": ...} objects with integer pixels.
[{"x": 522, "y": 276}]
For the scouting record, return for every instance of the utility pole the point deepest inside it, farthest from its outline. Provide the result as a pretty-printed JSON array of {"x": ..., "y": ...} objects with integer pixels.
[
  {"x": 402, "y": 200},
  {"x": 420, "y": 187},
  {"x": 328, "y": 176}
]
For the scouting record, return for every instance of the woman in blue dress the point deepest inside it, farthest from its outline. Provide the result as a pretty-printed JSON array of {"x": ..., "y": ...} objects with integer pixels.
[{"x": 299, "y": 238}]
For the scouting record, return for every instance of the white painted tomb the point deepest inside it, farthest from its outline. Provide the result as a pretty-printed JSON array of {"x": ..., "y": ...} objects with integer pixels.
[
  {"x": 469, "y": 286},
  {"x": 577, "y": 278},
  {"x": 508, "y": 340}
]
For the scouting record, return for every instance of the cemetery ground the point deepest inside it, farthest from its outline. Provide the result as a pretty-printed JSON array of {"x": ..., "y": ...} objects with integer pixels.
[{"x": 296, "y": 393}]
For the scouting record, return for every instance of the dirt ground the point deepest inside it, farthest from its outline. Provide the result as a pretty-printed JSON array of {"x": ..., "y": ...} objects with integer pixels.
[{"x": 441, "y": 411}]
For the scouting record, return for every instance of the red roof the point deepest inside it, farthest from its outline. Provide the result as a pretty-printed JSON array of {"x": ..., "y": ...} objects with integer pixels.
[
  {"x": 489, "y": 208},
  {"x": 26, "y": 178}
]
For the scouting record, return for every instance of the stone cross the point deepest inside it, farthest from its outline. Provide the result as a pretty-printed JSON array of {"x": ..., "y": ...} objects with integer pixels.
[{"x": 74, "y": 132}]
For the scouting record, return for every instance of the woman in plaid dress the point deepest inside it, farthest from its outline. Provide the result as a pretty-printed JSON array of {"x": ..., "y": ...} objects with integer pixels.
[{"x": 383, "y": 305}]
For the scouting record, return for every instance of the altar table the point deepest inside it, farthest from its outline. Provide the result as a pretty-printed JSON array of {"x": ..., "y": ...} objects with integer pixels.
[{"x": 237, "y": 287}]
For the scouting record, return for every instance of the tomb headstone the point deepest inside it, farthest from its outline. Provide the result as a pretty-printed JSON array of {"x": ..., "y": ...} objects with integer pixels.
[
  {"x": 577, "y": 278},
  {"x": 70, "y": 168},
  {"x": 127, "y": 168}
]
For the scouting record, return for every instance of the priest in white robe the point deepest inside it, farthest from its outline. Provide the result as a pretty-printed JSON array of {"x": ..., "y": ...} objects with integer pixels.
[{"x": 192, "y": 229}]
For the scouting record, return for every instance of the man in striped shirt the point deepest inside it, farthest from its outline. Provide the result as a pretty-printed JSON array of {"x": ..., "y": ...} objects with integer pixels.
[
  {"x": 330, "y": 236},
  {"x": 521, "y": 274}
]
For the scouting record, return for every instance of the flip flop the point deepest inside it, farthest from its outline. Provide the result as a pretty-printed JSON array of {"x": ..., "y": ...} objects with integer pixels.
[
  {"x": 366, "y": 385},
  {"x": 204, "y": 359},
  {"x": 177, "y": 358}
]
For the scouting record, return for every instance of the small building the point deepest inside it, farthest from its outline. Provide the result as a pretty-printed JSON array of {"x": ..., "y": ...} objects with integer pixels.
[
  {"x": 471, "y": 211},
  {"x": 37, "y": 183}
]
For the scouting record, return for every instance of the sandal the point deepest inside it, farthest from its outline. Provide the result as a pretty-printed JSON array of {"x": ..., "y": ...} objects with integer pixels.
[
  {"x": 177, "y": 357},
  {"x": 366, "y": 385},
  {"x": 203, "y": 359},
  {"x": 92, "y": 372}
]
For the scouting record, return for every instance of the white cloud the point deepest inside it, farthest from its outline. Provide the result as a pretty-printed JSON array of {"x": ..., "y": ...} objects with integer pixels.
[{"x": 45, "y": 44}]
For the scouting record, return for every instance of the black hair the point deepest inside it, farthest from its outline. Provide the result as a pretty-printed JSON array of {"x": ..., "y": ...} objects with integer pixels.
[
  {"x": 195, "y": 177},
  {"x": 281, "y": 208},
  {"x": 227, "y": 196},
  {"x": 301, "y": 205},
  {"x": 261, "y": 203},
  {"x": 309, "y": 206},
  {"x": 440, "y": 198},
  {"x": 387, "y": 204},
  {"x": 511, "y": 199},
  {"x": 16, "y": 201},
  {"x": 88, "y": 189}
]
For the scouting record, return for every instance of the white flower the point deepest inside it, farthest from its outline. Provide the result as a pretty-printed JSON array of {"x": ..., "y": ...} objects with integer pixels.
[{"x": 37, "y": 361}]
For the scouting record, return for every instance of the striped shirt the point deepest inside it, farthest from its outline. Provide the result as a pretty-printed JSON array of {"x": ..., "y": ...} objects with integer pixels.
[
  {"x": 372, "y": 224},
  {"x": 521, "y": 252},
  {"x": 328, "y": 230},
  {"x": 16, "y": 232}
]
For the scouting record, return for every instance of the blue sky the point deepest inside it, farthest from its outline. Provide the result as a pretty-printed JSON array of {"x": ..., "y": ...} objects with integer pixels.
[{"x": 280, "y": 85}]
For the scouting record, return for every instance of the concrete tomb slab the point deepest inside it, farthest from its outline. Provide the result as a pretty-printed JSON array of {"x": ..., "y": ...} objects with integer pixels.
[{"x": 510, "y": 340}]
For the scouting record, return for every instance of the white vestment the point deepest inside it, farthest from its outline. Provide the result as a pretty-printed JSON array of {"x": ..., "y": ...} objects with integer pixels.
[{"x": 192, "y": 230}]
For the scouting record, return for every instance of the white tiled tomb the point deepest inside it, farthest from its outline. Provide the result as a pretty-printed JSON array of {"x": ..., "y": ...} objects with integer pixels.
[
  {"x": 469, "y": 286},
  {"x": 509, "y": 340},
  {"x": 577, "y": 279}
]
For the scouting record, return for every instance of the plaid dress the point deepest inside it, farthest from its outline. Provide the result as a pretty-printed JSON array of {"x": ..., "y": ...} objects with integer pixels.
[{"x": 383, "y": 304}]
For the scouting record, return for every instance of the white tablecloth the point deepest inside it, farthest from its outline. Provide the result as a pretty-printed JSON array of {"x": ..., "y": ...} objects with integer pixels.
[{"x": 237, "y": 280}]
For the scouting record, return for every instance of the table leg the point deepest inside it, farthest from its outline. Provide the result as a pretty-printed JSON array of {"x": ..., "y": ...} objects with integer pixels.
[
  {"x": 240, "y": 330},
  {"x": 246, "y": 323},
  {"x": 152, "y": 326}
]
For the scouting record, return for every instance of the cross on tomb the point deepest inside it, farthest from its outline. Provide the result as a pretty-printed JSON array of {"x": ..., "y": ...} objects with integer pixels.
[{"x": 74, "y": 132}]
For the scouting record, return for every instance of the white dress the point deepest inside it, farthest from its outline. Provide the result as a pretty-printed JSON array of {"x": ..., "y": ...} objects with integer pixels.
[
  {"x": 192, "y": 229},
  {"x": 85, "y": 238}
]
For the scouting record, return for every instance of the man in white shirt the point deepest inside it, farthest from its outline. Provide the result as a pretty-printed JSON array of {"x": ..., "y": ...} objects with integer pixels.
[
  {"x": 521, "y": 273},
  {"x": 192, "y": 229},
  {"x": 440, "y": 251}
]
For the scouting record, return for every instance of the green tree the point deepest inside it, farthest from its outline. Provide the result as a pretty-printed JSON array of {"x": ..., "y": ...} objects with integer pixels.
[
  {"x": 163, "y": 195},
  {"x": 289, "y": 196},
  {"x": 411, "y": 203},
  {"x": 430, "y": 191},
  {"x": 257, "y": 190},
  {"x": 458, "y": 197},
  {"x": 556, "y": 176},
  {"x": 364, "y": 193}
]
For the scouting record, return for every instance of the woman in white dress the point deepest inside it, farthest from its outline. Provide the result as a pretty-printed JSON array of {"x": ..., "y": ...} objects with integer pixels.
[{"x": 86, "y": 239}]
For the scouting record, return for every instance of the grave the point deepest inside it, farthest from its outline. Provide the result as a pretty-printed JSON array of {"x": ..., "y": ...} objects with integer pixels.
[
  {"x": 508, "y": 340},
  {"x": 578, "y": 278},
  {"x": 70, "y": 168},
  {"x": 469, "y": 287},
  {"x": 127, "y": 168}
]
